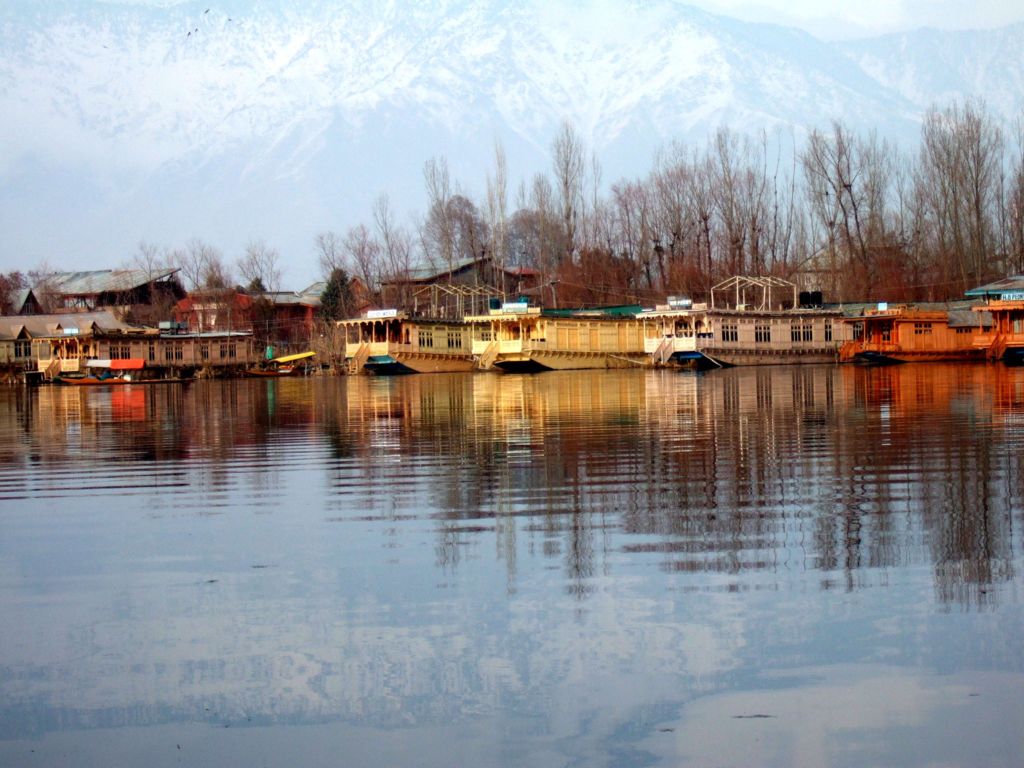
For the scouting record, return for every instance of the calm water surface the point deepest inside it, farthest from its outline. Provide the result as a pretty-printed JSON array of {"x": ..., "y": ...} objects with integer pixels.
[{"x": 782, "y": 567}]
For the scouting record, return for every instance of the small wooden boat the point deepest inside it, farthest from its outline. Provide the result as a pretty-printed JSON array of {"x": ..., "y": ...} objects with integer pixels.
[
  {"x": 110, "y": 373},
  {"x": 286, "y": 365}
]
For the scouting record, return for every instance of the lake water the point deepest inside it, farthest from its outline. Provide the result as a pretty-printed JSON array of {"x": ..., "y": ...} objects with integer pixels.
[{"x": 789, "y": 566}]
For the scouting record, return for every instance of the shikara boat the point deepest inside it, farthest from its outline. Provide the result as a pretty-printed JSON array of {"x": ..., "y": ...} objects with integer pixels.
[{"x": 287, "y": 365}]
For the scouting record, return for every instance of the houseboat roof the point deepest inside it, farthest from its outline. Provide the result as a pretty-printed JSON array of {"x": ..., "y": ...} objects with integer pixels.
[
  {"x": 1008, "y": 289},
  {"x": 98, "y": 281},
  {"x": 67, "y": 324}
]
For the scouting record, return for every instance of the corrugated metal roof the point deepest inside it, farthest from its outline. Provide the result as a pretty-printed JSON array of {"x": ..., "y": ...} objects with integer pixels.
[
  {"x": 99, "y": 281},
  {"x": 966, "y": 318},
  {"x": 1012, "y": 284},
  {"x": 42, "y": 326},
  {"x": 285, "y": 298}
]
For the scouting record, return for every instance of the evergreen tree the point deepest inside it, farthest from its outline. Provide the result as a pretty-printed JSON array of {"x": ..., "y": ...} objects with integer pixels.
[{"x": 336, "y": 300}]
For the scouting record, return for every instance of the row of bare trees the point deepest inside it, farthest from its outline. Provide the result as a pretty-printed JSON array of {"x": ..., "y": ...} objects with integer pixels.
[{"x": 852, "y": 215}]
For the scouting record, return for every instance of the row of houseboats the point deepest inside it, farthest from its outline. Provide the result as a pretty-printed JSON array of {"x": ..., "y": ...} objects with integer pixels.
[
  {"x": 760, "y": 328},
  {"x": 748, "y": 321}
]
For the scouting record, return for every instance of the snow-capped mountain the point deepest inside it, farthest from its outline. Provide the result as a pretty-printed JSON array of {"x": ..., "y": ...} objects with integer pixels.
[{"x": 233, "y": 120}]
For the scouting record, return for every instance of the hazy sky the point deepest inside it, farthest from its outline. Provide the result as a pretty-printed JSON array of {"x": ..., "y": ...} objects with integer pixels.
[{"x": 839, "y": 19}]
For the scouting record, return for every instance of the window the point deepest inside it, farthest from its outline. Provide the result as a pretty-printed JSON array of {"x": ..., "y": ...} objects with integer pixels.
[
  {"x": 964, "y": 330},
  {"x": 152, "y": 352},
  {"x": 730, "y": 332},
  {"x": 426, "y": 338},
  {"x": 858, "y": 331},
  {"x": 794, "y": 332},
  {"x": 204, "y": 351},
  {"x": 828, "y": 330},
  {"x": 762, "y": 333},
  {"x": 808, "y": 332},
  {"x": 23, "y": 348},
  {"x": 922, "y": 329},
  {"x": 454, "y": 339}
]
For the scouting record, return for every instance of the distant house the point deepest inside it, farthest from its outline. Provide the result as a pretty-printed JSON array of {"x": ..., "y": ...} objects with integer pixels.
[
  {"x": 286, "y": 316},
  {"x": 274, "y": 316},
  {"x": 219, "y": 310},
  {"x": 108, "y": 289}
]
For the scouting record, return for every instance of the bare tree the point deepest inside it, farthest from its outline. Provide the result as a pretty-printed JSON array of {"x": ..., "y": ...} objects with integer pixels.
[
  {"x": 567, "y": 159},
  {"x": 959, "y": 174},
  {"x": 198, "y": 264},
  {"x": 330, "y": 253},
  {"x": 260, "y": 267},
  {"x": 497, "y": 211},
  {"x": 363, "y": 252},
  {"x": 438, "y": 232}
]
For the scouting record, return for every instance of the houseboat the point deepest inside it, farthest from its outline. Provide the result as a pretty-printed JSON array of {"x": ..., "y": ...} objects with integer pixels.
[
  {"x": 907, "y": 333},
  {"x": 517, "y": 338},
  {"x": 1004, "y": 340},
  {"x": 762, "y": 321},
  {"x": 389, "y": 342},
  {"x": 675, "y": 332}
]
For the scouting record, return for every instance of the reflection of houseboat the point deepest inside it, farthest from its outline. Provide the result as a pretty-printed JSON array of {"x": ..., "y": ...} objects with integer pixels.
[
  {"x": 762, "y": 321},
  {"x": 917, "y": 333},
  {"x": 1005, "y": 303},
  {"x": 519, "y": 338},
  {"x": 388, "y": 342}
]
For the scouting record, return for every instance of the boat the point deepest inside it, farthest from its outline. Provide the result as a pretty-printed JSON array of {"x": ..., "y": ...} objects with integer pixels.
[
  {"x": 1004, "y": 340},
  {"x": 674, "y": 333},
  {"x": 518, "y": 338},
  {"x": 386, "y": 342},
  {"x": 765, "y": 320},
  {"x": 286, "y": 365},
  {"x": 907, "y": 333},
  {"x": 108, "y": 373}
]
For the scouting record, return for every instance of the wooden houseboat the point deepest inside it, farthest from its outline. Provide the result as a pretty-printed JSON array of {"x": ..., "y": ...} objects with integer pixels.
[
  {"x": 917, "y": 333},
  {"x": 389, "y": 342},
  {"x": 761, "y": 321},
  {"x": 674, "y": 334},
  {"x": 517, "y": 338},
  {"x": 1004, "y": 340}
]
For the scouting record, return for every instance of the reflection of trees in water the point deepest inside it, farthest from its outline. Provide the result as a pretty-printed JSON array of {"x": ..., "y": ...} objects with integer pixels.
[{"x": 847, "y": 468}]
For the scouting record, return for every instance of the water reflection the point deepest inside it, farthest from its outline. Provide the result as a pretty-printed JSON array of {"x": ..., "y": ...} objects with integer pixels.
[{"x": 569, "y": 568}]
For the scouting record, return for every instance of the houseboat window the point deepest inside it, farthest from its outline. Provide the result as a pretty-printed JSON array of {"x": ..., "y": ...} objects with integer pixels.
[
  {"x": 858, "y": 331},
  {"x": 23, "y": 348},
  {"x": 828, "y": 330},
  {"x": 808, "y": 332},
  {"x": 152, "y": 352},
  {"x": 426, "y": 338},
  {"x": 204, "y": 351},
  {"x": 454, "y": 339},
  {"x": 922, "y": 329},
  {"x": 964, "y": 330},
  {"x": 485, "y": 334},
  {"x": 169, "y": 352},
  {"x": 730, "y": 332},
  {"x": 794, "y": 332},
  {"x": 179, "y": 352},
  {"x": 762, "y": 333}
]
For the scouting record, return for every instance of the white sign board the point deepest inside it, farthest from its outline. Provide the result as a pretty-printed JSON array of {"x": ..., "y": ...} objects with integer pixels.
[{"x": 377, "y": 314}]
